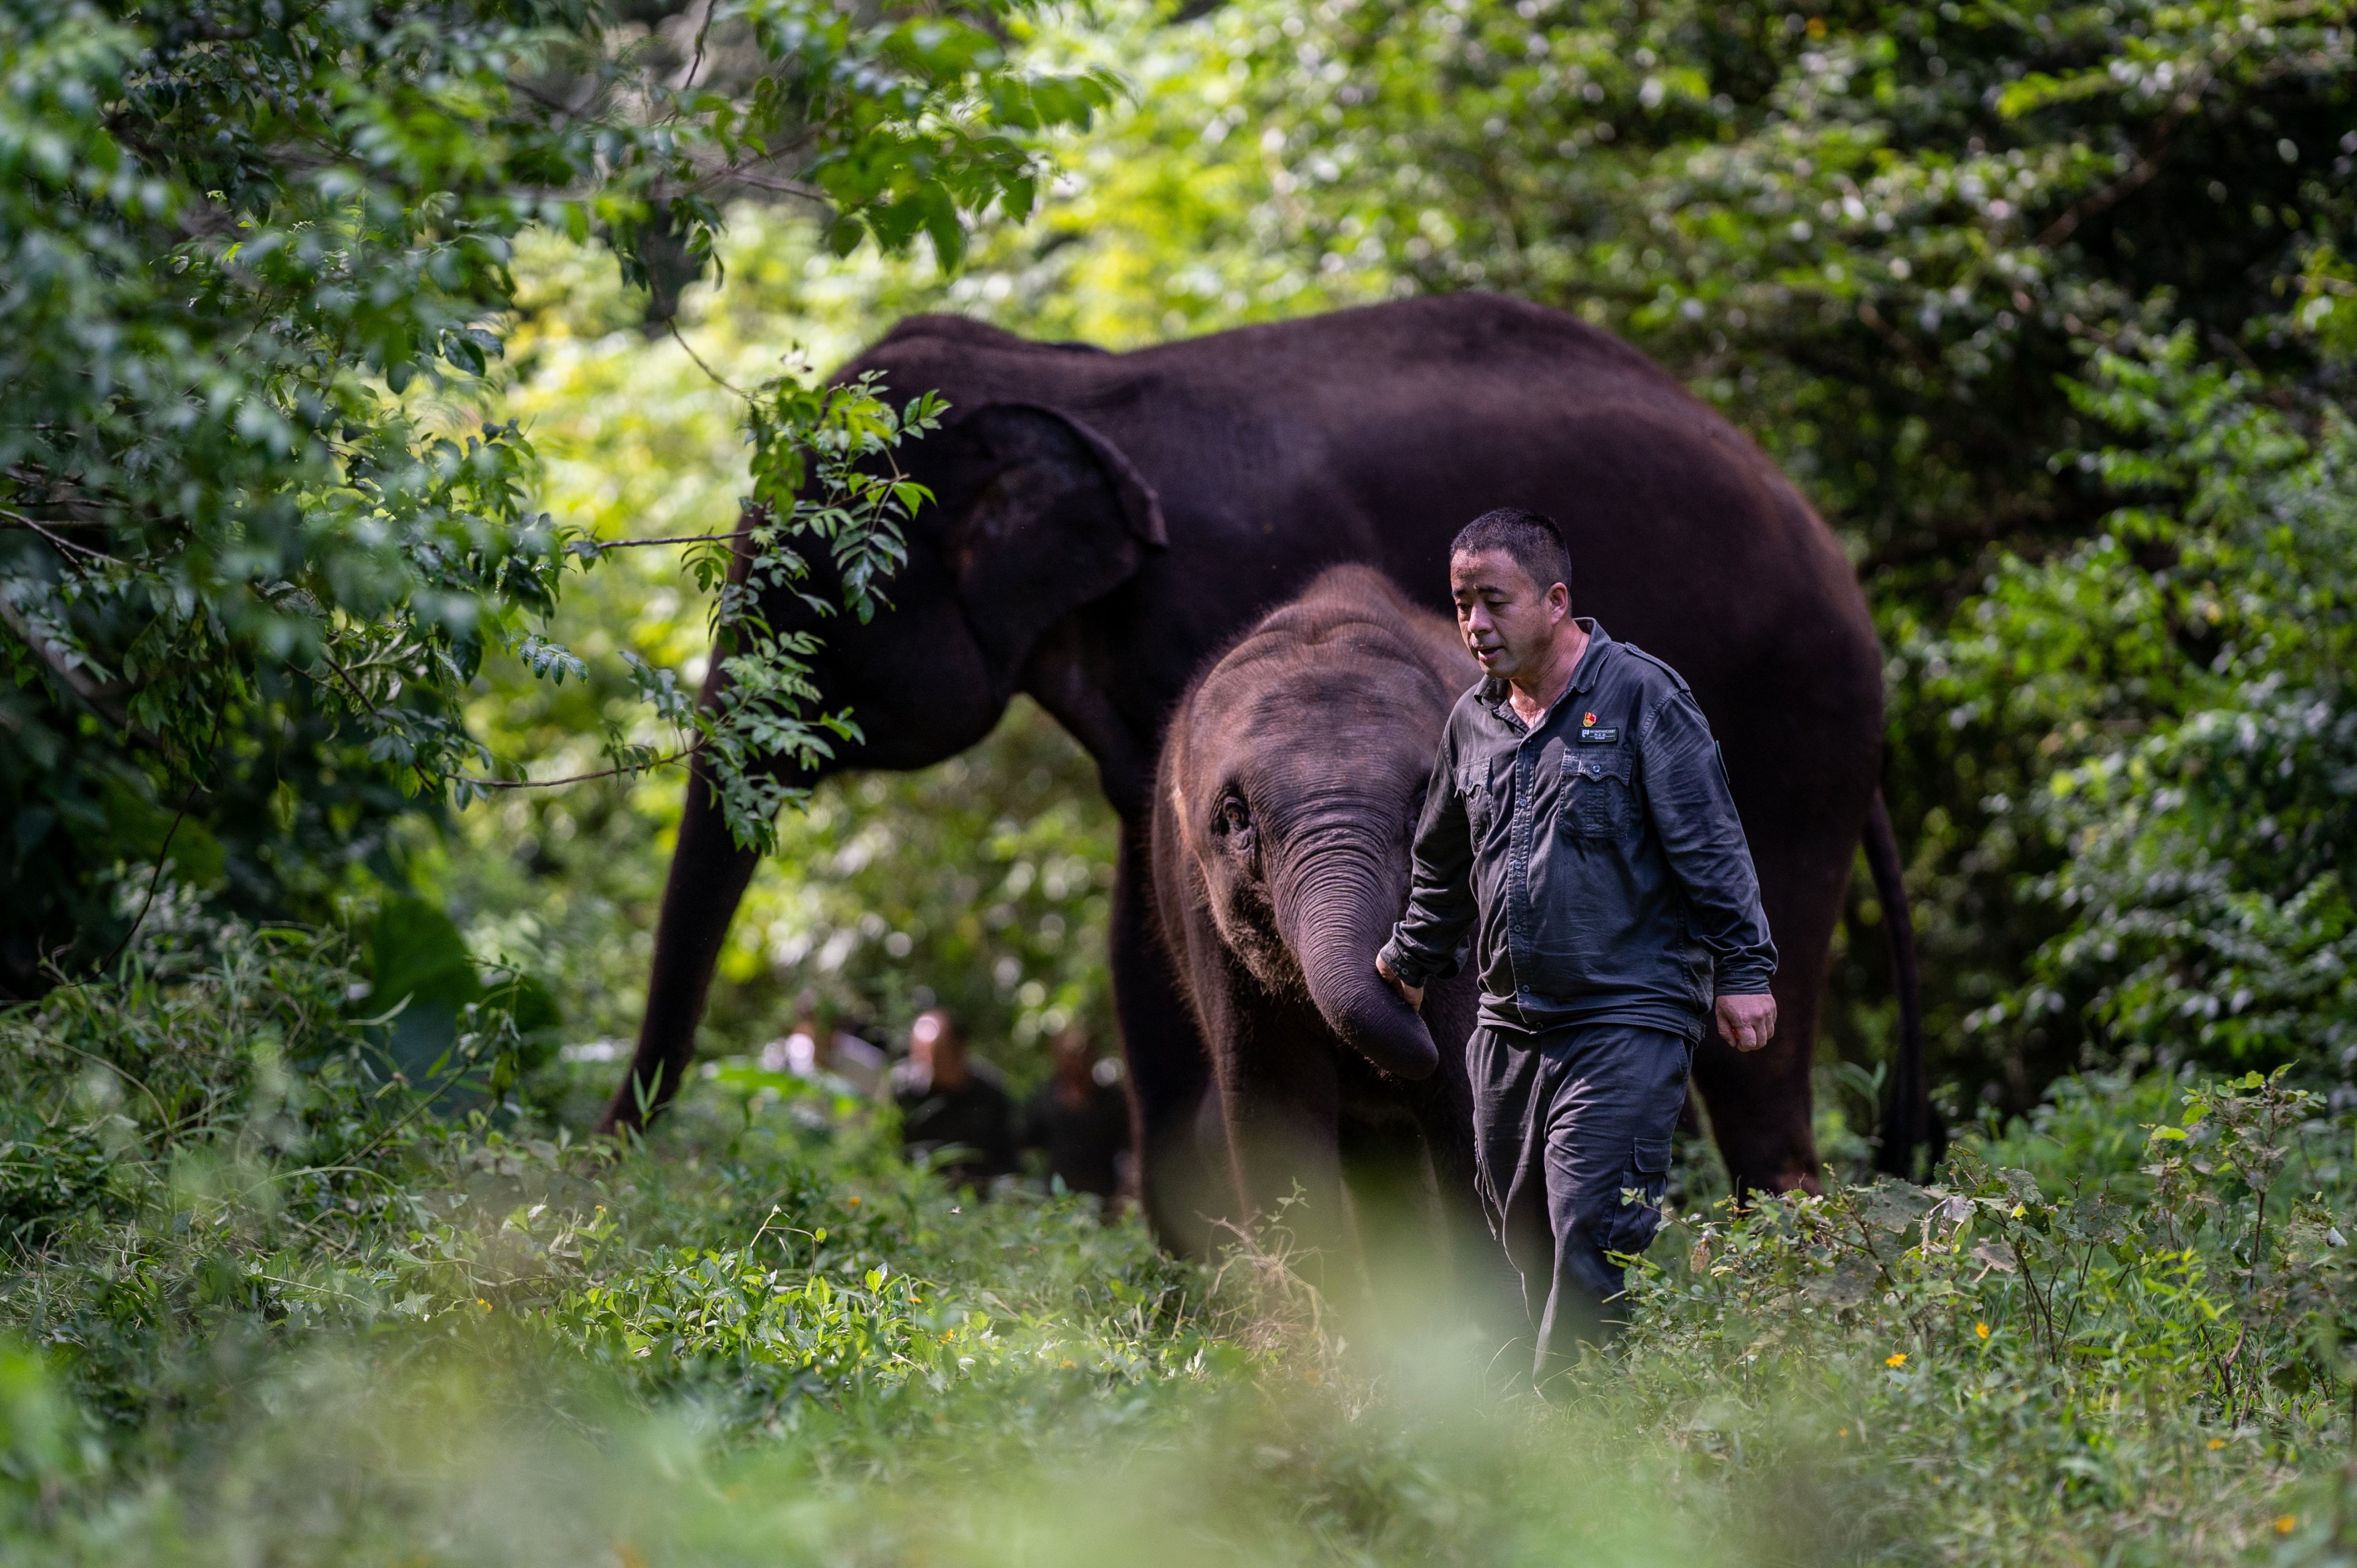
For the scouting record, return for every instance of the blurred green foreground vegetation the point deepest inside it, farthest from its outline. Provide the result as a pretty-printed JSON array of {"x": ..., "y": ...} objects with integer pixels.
[{"x": 268, "y": 1309}]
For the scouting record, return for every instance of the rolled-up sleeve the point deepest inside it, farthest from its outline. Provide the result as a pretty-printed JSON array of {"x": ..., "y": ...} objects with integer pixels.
[
  {"x": 1440, "y": 902},
  {"x": 1686, "y": 789}
]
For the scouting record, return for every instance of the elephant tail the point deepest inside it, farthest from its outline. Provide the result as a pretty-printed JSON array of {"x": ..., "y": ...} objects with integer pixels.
[{"x": 1908, "y": 1123}]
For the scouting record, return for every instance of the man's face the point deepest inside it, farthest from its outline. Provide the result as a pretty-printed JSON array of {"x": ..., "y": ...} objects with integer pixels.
[{"x": 1509, "y": 621}]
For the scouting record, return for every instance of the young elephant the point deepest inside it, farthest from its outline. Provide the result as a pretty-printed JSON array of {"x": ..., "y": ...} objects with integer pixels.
[{"x": 1287, "y": 793}]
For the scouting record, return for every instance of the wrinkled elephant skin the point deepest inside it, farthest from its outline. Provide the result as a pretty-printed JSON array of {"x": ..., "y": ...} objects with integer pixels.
[{"x": 1284, "y": 808}]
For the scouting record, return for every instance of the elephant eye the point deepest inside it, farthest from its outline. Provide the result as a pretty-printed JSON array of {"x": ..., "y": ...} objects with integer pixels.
[{"x": 1233, "y": 817}]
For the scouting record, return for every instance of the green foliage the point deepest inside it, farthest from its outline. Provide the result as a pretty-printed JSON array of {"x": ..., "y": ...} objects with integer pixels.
[
  {"x": 821, "y": 478},
  {"x": 981, "y": 885},
  {"x": 260, "y": 267},
  {"x": 266, "y": 1176},
  {"x": 2034, "y": 302},
  {"x": 313, "y": 1315},
  {"x": 2177, "y": 691},
  {"x": 1874, "y": 235},
  {"x": 2011, "y": 1362}
]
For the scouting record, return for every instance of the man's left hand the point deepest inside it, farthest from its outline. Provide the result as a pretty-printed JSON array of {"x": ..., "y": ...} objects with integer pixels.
[{"x": 1747, "y": 1023}]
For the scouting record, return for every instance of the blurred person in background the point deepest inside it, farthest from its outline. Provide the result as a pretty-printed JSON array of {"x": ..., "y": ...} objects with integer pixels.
[
  {"x": 1081, "y": 1117},
  {"x": 952, "y": 1107},
  {"x": 820, "y": 1051}
]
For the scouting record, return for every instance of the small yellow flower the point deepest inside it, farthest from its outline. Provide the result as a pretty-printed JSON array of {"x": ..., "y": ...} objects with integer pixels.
[
  {"x": 1845, "y": 1432},
  {"x": 2286, "y": 1523},
  {"x": 1896, "y": 1358},
  {"x": 1067, "y": 1366},
  {"x": 1982, "y": 1329},
  {"x": 482, "y": 1303},
  {"x": 854, "y": 1200},
  {"x": 2018, "y": 1211},
  {"x": 2216, "y": 1443}
]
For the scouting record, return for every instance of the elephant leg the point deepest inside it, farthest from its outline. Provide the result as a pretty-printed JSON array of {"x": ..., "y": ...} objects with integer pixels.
[
  {"x": 1282, "y": 1099},
  {"x": 1760, "y": 1104},
  {"x": 1394, "y": 1216},
  {"x": 708, "y": 876},
  {"x": 1183, "y": 1185}
]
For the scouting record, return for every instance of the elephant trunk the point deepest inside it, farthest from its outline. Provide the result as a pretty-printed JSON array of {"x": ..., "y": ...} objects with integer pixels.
[{"x": 1335, "y": 917}]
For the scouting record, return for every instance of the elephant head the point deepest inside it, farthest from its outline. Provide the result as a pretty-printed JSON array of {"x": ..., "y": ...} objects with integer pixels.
[
  {"x": 1034, "y": 513},
  {"x": 1292, "y": 775}
]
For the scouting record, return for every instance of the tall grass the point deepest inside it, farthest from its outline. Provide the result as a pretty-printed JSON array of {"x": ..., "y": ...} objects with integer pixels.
[{"x": 269, "y": 1303}]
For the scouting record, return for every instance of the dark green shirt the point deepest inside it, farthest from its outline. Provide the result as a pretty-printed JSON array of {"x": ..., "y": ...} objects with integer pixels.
[{"x": 1597, "y": 859}]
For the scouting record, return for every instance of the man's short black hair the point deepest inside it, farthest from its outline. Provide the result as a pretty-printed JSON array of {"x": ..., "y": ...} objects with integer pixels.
[{"x": 1531, "y": 538}]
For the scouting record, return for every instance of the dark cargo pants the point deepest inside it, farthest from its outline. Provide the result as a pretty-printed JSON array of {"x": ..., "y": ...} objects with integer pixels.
[{"x": 1562, "y": 1124}]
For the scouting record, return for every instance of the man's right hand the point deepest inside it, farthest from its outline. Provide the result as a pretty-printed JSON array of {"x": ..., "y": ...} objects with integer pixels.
[{"x": 1411, "y": 994}]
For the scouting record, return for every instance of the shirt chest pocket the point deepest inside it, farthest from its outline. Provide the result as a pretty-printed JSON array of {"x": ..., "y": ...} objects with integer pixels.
[
  {"x": 1473, "y": 787},
  {"x": 1598, "y": 802}
]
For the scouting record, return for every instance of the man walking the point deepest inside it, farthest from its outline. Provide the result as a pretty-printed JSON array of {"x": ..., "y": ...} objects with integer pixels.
[{"x": 1580, "y": 822}]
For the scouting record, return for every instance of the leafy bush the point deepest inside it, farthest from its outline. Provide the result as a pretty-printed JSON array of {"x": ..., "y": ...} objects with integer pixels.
[
  {"x": 313, "y": 1313},
  {"x": 2178, "y": 685},
  {"x": 260, "y": 281},
  {"x": 2010, "y": 1362},
  {"x": 229, "y": 1161}
]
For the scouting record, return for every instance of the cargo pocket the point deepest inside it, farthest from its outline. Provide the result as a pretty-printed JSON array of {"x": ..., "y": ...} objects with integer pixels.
[
  {"x": 1648, "y": 1177},
  {"x": 1602, "y": 806}
]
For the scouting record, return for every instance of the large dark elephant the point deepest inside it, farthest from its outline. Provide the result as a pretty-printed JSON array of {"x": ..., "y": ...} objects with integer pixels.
[
  {"x": 1105, "y": 523},
  {"x": 1284, "y": 809}
]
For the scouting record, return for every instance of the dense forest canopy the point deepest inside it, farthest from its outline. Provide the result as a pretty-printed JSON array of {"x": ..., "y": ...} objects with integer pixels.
[{"x": 2047, "y": 308}]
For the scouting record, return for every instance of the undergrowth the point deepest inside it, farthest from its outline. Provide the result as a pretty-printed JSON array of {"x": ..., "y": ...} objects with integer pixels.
[{"x": 269, "y": 1299}]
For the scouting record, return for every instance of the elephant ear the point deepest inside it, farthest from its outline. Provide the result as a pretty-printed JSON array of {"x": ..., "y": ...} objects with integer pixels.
[{"x": 1060, "y": 518}]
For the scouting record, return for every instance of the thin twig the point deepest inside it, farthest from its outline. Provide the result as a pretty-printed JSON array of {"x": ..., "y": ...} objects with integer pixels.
[
  {"x": 602, "y": 545},
  {"x": 212, "y": 761},
  {"x": 578, "y": 778},
  {"x": 448, "y": 1083},
  {"x": 743, "y": 175},
  {"x": 2138, "y": 175},
  {"x": 68, "y": 545},
  {"x": 695, "y": 64},
  {"x": 717, "y": 378}
]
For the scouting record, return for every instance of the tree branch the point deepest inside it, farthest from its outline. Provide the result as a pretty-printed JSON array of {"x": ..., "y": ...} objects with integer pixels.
[
  {"x": 20, "y": 520},
  {"x": 2138, "y": 175},
  {"x": 98, "y": 699}
]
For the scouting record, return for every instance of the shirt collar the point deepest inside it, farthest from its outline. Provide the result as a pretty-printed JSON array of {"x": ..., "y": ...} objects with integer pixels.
[{"x": 1494, "y": 693}]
